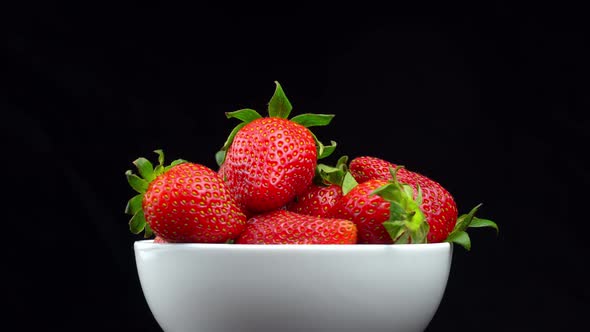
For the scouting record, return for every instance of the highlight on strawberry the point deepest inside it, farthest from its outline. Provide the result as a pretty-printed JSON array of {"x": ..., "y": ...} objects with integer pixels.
[
  {"x": 182, "y": 202},
  {"x": 267, "y": 161}
]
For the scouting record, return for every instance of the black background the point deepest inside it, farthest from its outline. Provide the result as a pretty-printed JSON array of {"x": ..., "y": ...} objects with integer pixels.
[{"x": 489, "y": 101}]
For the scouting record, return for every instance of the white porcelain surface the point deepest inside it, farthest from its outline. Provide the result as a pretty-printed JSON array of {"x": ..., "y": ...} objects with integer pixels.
[{"x": 229, "y": 287}]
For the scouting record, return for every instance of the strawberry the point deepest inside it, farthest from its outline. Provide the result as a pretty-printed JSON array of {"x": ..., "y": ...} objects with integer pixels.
[
  {"x": 383, "y": 211},
  {"x": 182, "y": 202},
  {"x": 286, "y": 227},
  {"x": 438, "y": 204},
  {"x": 325, "y": 191},
  {"x": 267, "y": 161},
  {"x": 317, "y": 200}
]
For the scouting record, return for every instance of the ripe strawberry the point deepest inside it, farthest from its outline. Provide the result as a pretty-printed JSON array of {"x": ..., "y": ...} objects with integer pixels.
[
  {"x": 286, "y": 227},
  {"x": 267, "y": 161},
  {"x": 270, "y": 161},
  {"x": 317, "y": 200},
  {"x": 437, "y": 203},
  {"x": 383, "y": 211},
  {"x": 325, "y": 191},
  {"x": 183, "y": 202}
]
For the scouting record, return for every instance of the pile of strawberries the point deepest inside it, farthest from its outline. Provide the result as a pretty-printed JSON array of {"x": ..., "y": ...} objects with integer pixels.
[{"x": 271, "y": 188}]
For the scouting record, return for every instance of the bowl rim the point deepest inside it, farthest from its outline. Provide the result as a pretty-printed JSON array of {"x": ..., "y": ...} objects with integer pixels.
[{"x": 149, "y": 244}]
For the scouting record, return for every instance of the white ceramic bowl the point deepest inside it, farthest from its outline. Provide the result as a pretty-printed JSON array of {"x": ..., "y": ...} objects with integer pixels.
[{"x": 229, "y": 287}]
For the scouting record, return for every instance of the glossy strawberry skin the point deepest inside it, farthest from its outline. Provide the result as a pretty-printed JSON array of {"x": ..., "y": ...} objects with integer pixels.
[
  {"x": 367, "y": 211},
  {"x": 438, "y": 205},
  {"x": 190, "y": 203},
  {"x": 270, "y": 161},
  {"x": 286, "y": 227},
  {"x": 317, "y": 200}
]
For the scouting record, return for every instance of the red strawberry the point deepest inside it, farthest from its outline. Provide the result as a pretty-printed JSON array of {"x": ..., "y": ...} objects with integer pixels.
[
  {"x": 183, "y": 202},
  {"x": 317, "y": 200},
  {"x": 267, "y": 161},
  {"x": 438, "y": 204},
  {"x": 286, "y": 227},
  {"x": 367, "y": 211},
  {"x": 383, "y": 211},
  {"x": 270, "y": 161},
  {"x": 321, "y": 196}
]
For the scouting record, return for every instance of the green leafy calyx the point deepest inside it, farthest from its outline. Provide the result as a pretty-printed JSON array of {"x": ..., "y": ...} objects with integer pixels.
[
  {"x": 459, "y": 234},
  {"x": 279, "y": 105},
  {"x": 338, "y": 175},
  {"x": 406, "y": 223},
  {"x": 327, "y": 174},
  {"x": 140, "y": 182}
]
